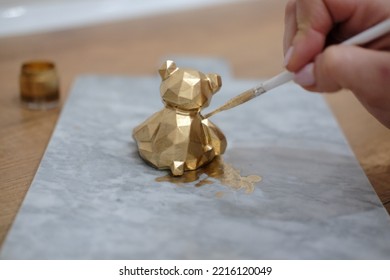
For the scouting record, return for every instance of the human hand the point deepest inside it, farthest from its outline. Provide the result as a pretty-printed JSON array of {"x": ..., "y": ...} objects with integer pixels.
[{"x": 311, "y": 25}]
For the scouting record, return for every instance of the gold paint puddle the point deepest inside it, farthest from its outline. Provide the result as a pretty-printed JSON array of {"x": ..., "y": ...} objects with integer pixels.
[{"x": 216, "y": 170}]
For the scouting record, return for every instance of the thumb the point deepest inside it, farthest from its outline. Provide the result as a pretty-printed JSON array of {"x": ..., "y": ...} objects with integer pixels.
[{"x": 365, "y": 72}]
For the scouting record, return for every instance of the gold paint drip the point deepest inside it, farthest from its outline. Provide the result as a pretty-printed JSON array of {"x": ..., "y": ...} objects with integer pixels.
[{"x": 219, "y": 170}]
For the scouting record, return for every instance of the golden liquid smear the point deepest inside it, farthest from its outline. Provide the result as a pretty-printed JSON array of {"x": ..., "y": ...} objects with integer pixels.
[{"x": 216, "y": 170}]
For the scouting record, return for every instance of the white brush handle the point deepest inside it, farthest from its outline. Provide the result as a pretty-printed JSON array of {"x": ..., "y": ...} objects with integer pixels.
[
  {"x": 370, "y": 34},
  {"x": 366, "y": 36},
  {"x": 278, "y": 80}
]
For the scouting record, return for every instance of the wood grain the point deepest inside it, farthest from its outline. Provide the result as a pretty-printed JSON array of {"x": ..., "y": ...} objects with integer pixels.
[{"x": 247, "y": 34}]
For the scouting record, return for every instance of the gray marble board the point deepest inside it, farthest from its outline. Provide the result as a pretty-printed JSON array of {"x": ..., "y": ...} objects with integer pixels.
[{"x": 94, "y": 198}]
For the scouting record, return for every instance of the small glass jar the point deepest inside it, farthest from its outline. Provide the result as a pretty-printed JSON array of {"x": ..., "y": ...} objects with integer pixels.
[{"x": 39, "y": 85}]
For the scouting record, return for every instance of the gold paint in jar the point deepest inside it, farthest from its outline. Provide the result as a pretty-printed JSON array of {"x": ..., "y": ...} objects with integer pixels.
[{"x": 39, "y": 85}]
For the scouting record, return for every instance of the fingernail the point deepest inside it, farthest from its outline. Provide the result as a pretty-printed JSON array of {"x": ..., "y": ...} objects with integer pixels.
[
  {"x": 287, "y": 56},
  {"x": 305, "y": 77}
]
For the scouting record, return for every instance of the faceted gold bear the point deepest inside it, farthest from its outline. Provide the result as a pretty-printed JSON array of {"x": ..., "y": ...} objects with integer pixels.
[{"x": 178, "y": 137}]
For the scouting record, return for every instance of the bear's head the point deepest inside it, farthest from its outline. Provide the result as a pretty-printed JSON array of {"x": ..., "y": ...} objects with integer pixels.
[{"x": 185, "y": 88}]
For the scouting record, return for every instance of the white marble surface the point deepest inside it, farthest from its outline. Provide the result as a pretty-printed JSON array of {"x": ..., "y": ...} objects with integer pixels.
[{"x": 94, "y": 198}]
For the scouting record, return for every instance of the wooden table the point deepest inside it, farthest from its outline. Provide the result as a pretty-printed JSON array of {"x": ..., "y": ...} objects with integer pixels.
[{"x": 247, "y": 34}]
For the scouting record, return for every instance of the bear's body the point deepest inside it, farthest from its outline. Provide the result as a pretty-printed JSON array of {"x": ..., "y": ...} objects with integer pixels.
[{"x": 178, "y": 137}]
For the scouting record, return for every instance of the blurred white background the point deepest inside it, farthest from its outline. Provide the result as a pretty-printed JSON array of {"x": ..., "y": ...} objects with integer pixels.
[{"x": 18, "y": 17}]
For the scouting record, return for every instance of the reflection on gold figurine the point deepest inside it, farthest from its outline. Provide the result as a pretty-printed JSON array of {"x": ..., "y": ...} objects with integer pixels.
[{"x": 178, "y": 137}]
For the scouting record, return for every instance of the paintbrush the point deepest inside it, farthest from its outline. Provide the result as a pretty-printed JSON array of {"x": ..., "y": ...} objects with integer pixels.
[{"x": 366, "y": 36}]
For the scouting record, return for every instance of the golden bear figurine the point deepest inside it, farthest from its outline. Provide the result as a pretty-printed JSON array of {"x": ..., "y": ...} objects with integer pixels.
[{"x": 178, "y": 137}]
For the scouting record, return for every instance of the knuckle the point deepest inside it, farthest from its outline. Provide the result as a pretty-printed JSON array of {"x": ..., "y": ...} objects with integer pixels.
[
  {"x": 330, "y": 59},
  {"x": 328, "y": 66}
]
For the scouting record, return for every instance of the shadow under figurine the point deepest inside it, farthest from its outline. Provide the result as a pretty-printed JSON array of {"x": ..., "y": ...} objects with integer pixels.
[{"x": 178, "y": 137}]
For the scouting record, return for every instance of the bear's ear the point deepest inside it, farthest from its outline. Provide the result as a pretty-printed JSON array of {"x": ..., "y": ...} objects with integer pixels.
[
  {"x": 215, "y": 82},
  {"x": 167, "y": 68}
]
